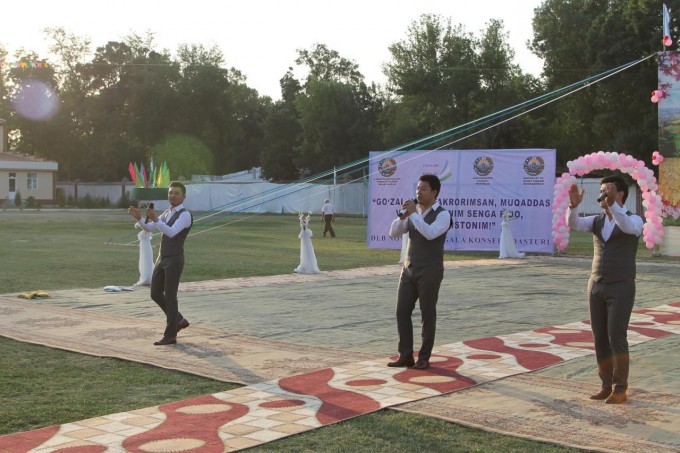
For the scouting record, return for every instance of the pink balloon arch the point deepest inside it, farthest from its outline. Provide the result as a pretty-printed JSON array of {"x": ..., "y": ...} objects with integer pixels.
[{"x": 653, "y": 228}]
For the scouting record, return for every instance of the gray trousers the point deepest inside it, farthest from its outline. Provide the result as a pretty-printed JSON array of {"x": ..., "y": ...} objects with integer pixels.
[
  {"x": 328, "y": 225},
  {"x": 611, "y": 305},
  {"x": 421, "y": 284},
  {"x": 164, "y": 285}
]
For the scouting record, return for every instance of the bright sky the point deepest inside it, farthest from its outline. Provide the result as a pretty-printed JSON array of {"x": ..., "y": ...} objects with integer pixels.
[{"x": 260, "y": 37}]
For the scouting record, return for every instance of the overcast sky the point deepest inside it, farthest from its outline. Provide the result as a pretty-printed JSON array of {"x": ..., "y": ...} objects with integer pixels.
[{"x": 260, "y": 37}]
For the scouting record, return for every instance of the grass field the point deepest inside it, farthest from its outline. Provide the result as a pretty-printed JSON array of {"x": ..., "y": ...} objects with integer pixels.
[
  {"x": 48, "y": 250},
  {"x": 97, "y": 248}
]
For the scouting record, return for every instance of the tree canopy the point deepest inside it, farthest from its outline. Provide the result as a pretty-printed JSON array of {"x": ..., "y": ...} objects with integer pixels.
[{"x": 96, "y": 109}]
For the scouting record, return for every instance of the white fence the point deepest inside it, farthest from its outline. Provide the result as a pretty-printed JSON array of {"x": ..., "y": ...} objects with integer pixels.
[
  {"x": 264, "y": 197},
  {"x": 260, "y": 197}
]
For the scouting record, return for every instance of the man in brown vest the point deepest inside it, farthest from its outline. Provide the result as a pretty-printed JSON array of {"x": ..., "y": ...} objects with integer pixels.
[
  {"x": 611, "y": 288},
  {"x": 426, "y": 223},
  {"x": 175, "y": 224}
]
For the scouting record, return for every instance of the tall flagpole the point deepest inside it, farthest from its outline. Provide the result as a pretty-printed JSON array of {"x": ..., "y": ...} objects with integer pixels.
[{"x": 667, "y": 40}]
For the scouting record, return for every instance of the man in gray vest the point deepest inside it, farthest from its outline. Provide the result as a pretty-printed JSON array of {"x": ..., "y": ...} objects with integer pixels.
[
  {"x": 611, "y": 288},
  {"x": 175, "y": 224},
  {"x": 426, "y": 223}
]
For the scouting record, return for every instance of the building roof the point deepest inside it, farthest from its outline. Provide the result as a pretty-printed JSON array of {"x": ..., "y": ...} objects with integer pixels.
[{"x": 11, "y": 161}]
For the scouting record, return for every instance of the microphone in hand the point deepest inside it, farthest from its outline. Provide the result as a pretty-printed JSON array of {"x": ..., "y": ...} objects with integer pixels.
[
  {"x": 146, "y": 219},
  {"x": 404, "y": 211},
  {"x": 602, "y": 196}
]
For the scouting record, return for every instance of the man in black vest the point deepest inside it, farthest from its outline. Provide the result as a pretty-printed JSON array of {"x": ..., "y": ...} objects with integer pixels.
[
  {"x": 426, "y": 223},
  {"x": 611, "y": 288},
  {"x": 175, "y": 224}
]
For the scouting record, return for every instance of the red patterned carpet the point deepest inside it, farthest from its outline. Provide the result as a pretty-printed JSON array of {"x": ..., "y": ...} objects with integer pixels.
[{"x": 274, "y": 409}]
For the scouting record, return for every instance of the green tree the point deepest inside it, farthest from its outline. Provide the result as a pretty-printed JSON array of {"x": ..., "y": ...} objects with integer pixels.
[
  {"x": 4, "y": 94},
  {"x": 186, "y": 156},
  {"x": 433, "y": 72},
  {"x": 338, "y": 112},
  {"x": 282, "y": 133},
  {"x": 503, "y": 85},
  {"x": 133, "y": 105},
  {"x": 218, "y": 108},
  {"x": 581, "y": 38}
]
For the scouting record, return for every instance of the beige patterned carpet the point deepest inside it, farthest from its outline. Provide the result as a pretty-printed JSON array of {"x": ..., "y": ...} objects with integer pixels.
[
  {"x": 257, "y": 330},
  {"x": 558, "y": 411},
  {"x": 205, "y": 352}
]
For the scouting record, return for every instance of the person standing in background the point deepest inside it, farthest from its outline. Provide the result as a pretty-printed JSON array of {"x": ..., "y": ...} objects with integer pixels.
[
  {"x": 175, "y": 224},
  {"x": 328, "y": 216}
]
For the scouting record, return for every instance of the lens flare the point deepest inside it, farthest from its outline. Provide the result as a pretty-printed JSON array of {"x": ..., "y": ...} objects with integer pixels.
[{"x": 36, "y": 101}]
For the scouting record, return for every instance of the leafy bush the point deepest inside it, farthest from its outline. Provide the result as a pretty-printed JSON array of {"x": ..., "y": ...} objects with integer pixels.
[
  {"x": 17, "y": 199},
  {"x": 90, "y": 202},
  {"x": 124, "y": 201}
]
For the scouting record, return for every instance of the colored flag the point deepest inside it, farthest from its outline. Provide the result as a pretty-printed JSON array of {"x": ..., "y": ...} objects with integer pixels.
[
  {"x": 165, "y": 177},
  {"x": 152, "y": 173},
  {"x": 667, "y": 40},
  {"x": 144, "y": 178},
  {"x": 139, "y": 182},
  {"x": 133, "y": 175}
]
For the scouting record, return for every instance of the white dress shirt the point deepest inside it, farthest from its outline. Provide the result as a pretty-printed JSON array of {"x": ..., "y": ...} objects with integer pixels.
[
  {"x": 430, "y": 231},
  {"x": 184, "y": 221},
  {"x": 628, "y": 224}
]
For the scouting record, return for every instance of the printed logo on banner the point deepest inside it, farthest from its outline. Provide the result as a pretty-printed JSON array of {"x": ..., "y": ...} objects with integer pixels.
[
  {"x": 534, "y": 165},
  {"x": 483, "y": 166},
  {"x": 387, "y": 167}
]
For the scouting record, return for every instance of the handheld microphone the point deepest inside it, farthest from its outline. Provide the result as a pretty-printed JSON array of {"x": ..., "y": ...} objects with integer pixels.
[
  {"x": 602, "y": 196},
  {"x": 146, "y": 219},
  {"x": 403, "y": 212}
]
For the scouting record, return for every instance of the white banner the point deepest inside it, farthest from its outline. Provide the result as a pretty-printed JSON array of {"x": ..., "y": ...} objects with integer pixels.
[{"x": 477, "y": 185}]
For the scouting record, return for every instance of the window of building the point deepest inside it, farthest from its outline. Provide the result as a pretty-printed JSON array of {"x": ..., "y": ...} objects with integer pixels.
[{"x": 32, "y": 181}]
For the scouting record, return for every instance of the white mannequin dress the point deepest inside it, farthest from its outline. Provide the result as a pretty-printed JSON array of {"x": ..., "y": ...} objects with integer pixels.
[
  {"x": 508, "y": 249},
  {"x": 307, "y": 257},
  {"x": 145, "y": 258}
]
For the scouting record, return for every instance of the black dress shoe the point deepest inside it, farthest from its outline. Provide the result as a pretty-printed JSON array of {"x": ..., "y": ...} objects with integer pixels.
[
  {"x": 403, "y": 361},
  {"x": 603, "y": 394},
  {"x": 183, "y": 324},
  {"x": 165, "y": 341},
  {"x": 422, "y": 364},
  {"x": 616, "y": 398}
]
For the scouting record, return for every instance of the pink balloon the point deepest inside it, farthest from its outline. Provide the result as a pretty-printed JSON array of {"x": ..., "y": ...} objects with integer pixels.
[{"x": 667, "y": 41}]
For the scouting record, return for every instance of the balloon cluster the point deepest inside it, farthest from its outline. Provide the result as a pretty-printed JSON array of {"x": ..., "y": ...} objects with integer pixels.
[
  {"x": 653, "y": 228},
  {"x": 560, "y": 228},
  {"x": 657, "y": 158},
  {"x": 657, "y": 95}
]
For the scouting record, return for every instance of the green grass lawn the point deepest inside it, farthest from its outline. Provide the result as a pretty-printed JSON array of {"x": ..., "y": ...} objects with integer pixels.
[
  {"x": 41, "y": 386},
  {"x": 94, "y": 249}
]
